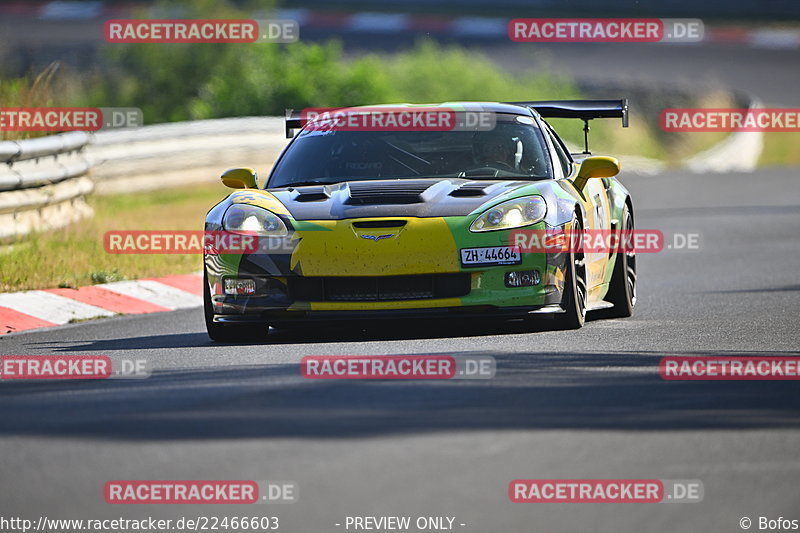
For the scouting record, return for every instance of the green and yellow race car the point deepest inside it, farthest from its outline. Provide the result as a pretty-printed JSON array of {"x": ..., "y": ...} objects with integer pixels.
[{"x": 387, "y": 212}]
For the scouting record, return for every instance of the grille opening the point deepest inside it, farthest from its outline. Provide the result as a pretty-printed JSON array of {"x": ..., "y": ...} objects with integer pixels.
[{"x": 378, "y": 289}]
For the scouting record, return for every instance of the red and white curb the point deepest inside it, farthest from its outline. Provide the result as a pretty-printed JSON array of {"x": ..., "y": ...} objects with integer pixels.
[{"x": 20, "y": 311}]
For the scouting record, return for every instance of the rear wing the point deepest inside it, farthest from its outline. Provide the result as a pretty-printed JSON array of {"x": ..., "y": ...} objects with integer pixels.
[
  {"x": 585, "y": 110},
  {"x": 293, "y": 122}
]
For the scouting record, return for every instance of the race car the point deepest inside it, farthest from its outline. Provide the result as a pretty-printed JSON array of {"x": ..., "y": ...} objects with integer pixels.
[{"x": 405, "y": 217}]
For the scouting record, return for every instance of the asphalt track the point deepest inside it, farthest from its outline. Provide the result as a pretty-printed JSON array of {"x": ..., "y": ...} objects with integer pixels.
[
  {"x": 580, "y": 404},
  {"x": 769, "y": 74}
]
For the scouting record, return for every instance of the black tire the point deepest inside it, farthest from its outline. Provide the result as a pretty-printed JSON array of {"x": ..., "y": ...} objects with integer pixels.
[
  {"x": 573, "y": 301},
  {"x": 220, "y": 332},
  {"x": 622, "y": 287}
]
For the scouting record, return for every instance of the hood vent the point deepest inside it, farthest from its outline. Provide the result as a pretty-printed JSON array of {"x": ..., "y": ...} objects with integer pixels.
[
  {"x": 471, "y": 189},
  {"x": 474, "y": 189},
  {"x": 310, "y": 194},
  {"x": 385, "y": 192}
]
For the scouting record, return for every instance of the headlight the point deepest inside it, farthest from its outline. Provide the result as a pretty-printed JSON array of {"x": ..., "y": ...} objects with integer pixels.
[
  {"x": 511, "y": 214},
  {"x": 252, "y": 220}
]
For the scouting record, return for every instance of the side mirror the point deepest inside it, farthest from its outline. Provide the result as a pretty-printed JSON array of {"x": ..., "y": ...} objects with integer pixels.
[
  {"x": 596, "y": 166},
  {"x": 240, "y": 178}
]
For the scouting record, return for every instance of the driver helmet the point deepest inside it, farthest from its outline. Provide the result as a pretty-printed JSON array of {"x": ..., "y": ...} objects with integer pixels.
[{"x": 494, "y": 147}]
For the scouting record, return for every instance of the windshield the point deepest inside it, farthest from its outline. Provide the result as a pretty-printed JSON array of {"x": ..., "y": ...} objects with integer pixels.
[{"x": 513, "y": 148}]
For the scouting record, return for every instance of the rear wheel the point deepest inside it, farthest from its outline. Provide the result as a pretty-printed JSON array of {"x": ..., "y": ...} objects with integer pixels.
[
  {"x": 573, "y": 300},
  {"x": 622, "y": 288},
  {"x": 221, "y": 332}
]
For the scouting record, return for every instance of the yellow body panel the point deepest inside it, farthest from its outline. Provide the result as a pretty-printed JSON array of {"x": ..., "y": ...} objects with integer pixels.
[
  {"x": 422, "y": 246},
  {"x": 259, "y": 198}
]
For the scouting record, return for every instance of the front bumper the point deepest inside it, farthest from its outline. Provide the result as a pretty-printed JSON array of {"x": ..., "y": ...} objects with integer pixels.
[{"x": 427, "y": 249}]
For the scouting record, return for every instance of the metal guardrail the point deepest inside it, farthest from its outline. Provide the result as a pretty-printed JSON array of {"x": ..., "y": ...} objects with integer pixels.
[
  {"x": 182, "y": 153},
  {"x": 43, "y": 183}
]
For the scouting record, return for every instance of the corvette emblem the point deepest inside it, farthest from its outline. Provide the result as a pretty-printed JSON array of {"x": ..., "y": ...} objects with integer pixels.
[{"x": 377, "y": 237}]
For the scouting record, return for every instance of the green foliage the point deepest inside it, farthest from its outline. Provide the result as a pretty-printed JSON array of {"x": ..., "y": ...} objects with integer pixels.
[
  {"x": 33, "y": 90},
  {"x": 431, "y": 72},
  {"x": 103, "y": 276},
  {"x": 181, "y": 82},
  {"x": 172, "y": 82}
]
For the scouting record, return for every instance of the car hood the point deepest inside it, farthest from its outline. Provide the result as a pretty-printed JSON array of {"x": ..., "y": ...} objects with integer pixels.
[{"x": 388, "y": 198}]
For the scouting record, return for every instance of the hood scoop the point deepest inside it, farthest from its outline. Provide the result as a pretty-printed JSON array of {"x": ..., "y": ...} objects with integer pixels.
[{"x": 386, "y": 192}]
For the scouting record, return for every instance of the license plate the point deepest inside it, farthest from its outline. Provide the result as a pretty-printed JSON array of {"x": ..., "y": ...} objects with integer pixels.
[{"x": 494, "y": 255}]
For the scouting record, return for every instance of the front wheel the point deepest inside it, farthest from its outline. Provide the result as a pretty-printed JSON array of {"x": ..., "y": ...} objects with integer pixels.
[
  {"x": 221, "y": 332},
  {"x": 573, "y": 300},
  {"x": 622, "y": 288}
]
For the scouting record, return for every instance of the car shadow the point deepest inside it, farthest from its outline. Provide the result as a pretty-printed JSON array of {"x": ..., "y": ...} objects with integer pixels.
[
  {"x": 531, "y": 391},
  {"x": 379, "y": 330}
]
